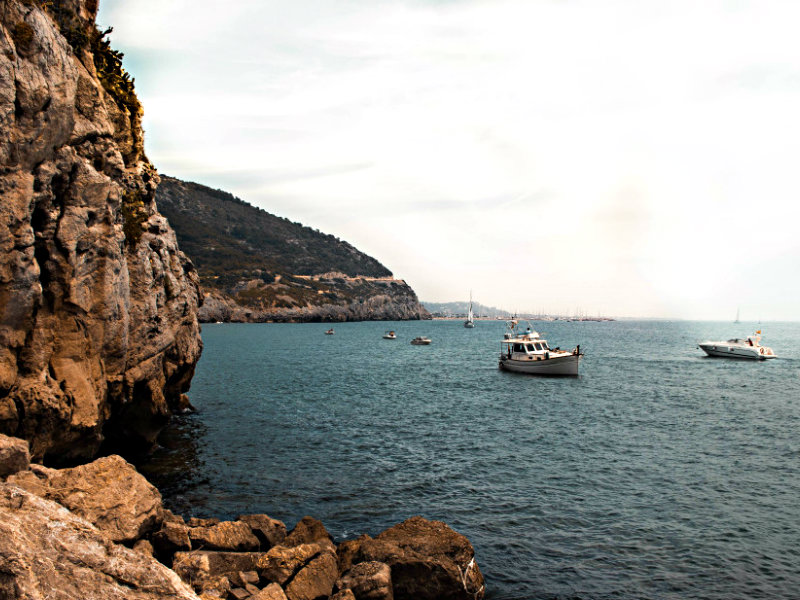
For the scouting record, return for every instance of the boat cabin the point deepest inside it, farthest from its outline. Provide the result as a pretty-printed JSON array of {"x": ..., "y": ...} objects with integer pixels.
[{"x": 525, "y": 348}]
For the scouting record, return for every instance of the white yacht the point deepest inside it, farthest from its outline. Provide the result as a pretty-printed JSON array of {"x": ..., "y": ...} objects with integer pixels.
[
  {"x": 470, "y": 322},
  {"x": 749, "y": 347},
  {"x": 526, "y": 352},
  {"x": 390, "y": 335}
]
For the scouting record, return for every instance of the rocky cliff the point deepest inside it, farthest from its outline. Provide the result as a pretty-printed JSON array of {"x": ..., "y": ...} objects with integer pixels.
[
  {"x": 98, "y": 326},
  {"x": 256, "y": 267}
]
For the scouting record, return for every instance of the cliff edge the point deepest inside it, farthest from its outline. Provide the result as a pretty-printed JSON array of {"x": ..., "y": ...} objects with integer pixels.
[{"x": 98, "y": 307}]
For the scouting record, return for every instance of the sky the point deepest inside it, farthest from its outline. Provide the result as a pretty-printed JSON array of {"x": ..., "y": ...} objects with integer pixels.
[{"x": 626, "y": 158}]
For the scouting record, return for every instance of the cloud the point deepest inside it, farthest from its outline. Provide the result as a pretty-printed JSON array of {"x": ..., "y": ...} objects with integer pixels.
[{"x": 592, "y": 149}]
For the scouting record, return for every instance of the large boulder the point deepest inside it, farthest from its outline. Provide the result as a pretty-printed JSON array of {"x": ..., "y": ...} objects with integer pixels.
[
  {"x": 309, "y": 531},
  {"x": 48, "y": 552},
  {"x": 270, "y": 532},
  {"x": 314, "y": 581},
  {"x": 368, "y": 581},
  {"x": 14, "y": 455},
  {"x": 280, "y": 564},
  {"x": 234, "y": 536},
  {"x": 108, "y": 492},
  {"x": 428, "y": 561}
]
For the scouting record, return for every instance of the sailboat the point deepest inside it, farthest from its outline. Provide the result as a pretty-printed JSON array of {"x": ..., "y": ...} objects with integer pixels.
[
  {"x": 470, "y": 322},
  {"x": 737, "y": 316}
]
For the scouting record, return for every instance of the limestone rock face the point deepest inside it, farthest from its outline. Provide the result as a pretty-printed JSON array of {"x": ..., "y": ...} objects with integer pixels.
[
  {"x": 98, "y": 307},
  {"x": 14, "y": 455},
  {"x": 109, "y": 493},
  {"x": 48, "y": 552}
]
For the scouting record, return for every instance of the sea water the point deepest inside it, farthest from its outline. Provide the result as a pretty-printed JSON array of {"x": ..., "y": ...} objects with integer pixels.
[{"x": 658, "y": 473}]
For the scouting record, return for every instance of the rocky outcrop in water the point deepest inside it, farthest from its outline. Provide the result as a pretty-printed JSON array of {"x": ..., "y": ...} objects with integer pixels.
[
  {"x": 101, "y": 529},
  {"x": 98, "y": 327}
]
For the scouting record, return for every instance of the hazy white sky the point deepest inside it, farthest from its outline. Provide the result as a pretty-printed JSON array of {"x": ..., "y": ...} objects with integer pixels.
[{"x": 630, "y": 158}]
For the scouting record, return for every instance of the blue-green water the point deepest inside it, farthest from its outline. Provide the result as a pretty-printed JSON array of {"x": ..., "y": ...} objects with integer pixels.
[{"x": 658, "y": 473}]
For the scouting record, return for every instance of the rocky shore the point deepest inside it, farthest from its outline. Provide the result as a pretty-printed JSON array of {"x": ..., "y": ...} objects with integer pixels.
[{"x": 100, "y": 530}]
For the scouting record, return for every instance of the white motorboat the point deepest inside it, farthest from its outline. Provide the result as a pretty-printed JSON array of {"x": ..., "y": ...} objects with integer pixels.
[
  {"x": 470, "y": 322},
  {"x": 421, "y": 341},
  {"x": 390, "y": 335},
  {"x": 748, "y": 348},
  {"x": 526, "y": 352}
]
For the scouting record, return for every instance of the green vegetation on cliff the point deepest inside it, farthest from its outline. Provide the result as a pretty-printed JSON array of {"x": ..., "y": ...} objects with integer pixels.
[
  {"x": 255, "y": 266},
  {"x": 229, "y": 239}
]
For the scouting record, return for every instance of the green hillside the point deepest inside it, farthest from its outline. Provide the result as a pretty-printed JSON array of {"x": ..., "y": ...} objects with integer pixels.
[{"x": 229, "y": 239}]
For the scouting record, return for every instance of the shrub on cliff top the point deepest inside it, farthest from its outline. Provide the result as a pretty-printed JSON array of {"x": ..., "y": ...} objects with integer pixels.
[{"x": 115, "y": 80}]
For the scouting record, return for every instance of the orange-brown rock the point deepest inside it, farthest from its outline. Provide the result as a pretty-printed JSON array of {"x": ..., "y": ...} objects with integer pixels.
[
  {"x": 199, "y": 567},
  {"x": 368, "y": 581},
  {"x": 272, "y": 592},
  {"x": 309, "y": 531},
  {"x": 428, "y": 561},
  {"x": 314, "y": 581},
  {"x": 108, "y": 492},
  {"x": 281, "y": 563},
  {"x": 234, "y": 536},
  {"x": 270, "y": 532},
  {"x": 14, "y": 455},
  {"x": 98, "y": 327},
  {"x": 172, "y": 537},
  {"x": 48, "y": 552}
]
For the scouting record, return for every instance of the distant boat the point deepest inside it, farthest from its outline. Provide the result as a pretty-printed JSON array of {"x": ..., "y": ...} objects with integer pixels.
[
  {"x": 421, "y": 341},
  {"x": 470, "y": 322},
  {"x": 735, "y": 348},
  {"x": 330, "y": 331},
  {"x": 737, "y": 316},
  {"x": 390, "y": 335}
]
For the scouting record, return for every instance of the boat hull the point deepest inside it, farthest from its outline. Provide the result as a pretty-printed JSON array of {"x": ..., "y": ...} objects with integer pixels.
[
  {"x": 725, "y": 351},
  {"x": 562, "y": 365}
]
